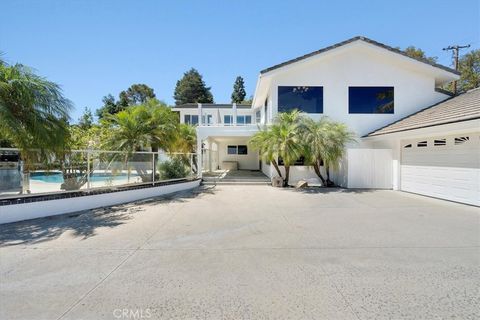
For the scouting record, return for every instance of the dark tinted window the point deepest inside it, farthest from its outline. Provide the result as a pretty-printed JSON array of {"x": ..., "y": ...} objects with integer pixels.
[
  {"x": 306, "y": 99},
  {"x": 232, "y": 149},
  {"x": 242, "y": 150},
  {"x": 191, "y": 119},
  {"x": 370, "y": 99},
  {"x": 299, "y": 162},
  {"x": 227, "y": 119}
]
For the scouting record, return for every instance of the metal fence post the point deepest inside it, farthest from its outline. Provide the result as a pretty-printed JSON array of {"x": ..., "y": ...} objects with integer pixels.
[
  {"x": 153, "y": 167},
  {"x": 191, "y": 164},
  {"x": 88, "y": 169}
]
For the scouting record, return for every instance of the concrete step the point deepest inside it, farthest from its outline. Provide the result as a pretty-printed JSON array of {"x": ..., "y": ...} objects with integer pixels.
[{"x": 221, "y": 182}]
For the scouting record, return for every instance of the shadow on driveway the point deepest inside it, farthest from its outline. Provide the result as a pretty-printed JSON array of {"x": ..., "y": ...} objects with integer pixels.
[{"x": 84, "y": 223}]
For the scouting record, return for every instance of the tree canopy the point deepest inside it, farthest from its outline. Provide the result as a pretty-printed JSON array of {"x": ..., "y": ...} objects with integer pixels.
[
  {"x": 238, "y": 94},
  {"x": 192, "y": 89},
  {"x": 33, "y": 110},
  {"x": 134, "y": 95},
  {"x": 469, "y": 66},
  {"x": 418, "y": 53},
  {"x": 86, "y": 119}
]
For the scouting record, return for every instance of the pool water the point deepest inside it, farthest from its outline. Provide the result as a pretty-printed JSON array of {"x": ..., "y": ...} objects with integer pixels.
[{"x": 56, "y": 177}]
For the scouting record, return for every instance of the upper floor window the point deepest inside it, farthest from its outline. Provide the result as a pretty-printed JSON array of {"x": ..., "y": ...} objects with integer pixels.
[
  {"x": 244, "y": 120},
  {"x": 370, "y": 99},
  {"x": 191, "y": 119},
  {"x": 306, "y": 99},
  {"x": 228, "y": 119},
  {"x": 207, "y": 119}
]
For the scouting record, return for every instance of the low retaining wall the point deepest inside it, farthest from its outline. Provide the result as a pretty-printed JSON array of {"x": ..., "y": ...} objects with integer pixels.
[{"x": 33, "y": 207}]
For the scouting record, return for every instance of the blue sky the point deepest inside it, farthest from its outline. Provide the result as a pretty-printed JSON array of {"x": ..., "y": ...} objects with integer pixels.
[{"x": 97, "y": 47}]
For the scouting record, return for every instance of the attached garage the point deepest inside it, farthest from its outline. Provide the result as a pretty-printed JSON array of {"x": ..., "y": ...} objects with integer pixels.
[
  {"x": 437, "y": 150},
  {"x": 442, "y": 167}
]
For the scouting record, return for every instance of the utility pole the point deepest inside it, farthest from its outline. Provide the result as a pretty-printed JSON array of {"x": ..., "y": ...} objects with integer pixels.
[{"x": 455, "y": 49}]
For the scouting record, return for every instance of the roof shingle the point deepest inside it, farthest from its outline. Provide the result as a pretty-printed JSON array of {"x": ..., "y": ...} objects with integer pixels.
[{"x": 455, "y": 109}]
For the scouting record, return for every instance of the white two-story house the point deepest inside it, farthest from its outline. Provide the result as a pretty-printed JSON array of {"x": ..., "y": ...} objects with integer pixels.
[{"x": 380, "y": 93}]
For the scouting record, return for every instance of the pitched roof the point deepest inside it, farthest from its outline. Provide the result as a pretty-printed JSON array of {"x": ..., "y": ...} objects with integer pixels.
[
  {"x": 378, "y": 44},
  {"x": 463, "y": 107}
]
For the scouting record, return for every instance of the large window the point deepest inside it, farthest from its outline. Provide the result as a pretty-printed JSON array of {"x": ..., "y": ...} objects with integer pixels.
[
  {"x": 207, "y": 119},
  {"x": 240, "y": 149},
  {"x": 228, "y": 120},
  {"x": 306, "y": 99},
  {"x": 191, "y": 119},
  {"x": 242, "y": 120},
  {"x": 370, "y": 99}
]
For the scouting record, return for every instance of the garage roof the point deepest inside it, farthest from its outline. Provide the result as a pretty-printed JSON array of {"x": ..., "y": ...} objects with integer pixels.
[{"x": 463, "y": 107}]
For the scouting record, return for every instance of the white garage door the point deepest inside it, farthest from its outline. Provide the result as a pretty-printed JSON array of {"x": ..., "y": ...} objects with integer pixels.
[{"x": 443, "y": 167}]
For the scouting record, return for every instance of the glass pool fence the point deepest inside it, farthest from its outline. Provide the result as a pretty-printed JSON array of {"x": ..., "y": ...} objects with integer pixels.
[{"x": 35, "y": 172}]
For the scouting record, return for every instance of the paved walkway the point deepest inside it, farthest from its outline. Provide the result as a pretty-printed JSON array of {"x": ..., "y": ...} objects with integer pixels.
[{"x": 248, "y": 252}]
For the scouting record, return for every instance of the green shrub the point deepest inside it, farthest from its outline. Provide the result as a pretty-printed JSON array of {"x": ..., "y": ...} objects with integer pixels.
[{"x": 173, "y": 169}]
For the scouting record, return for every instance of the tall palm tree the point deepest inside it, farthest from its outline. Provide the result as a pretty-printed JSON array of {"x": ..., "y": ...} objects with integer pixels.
[{"x": 33, "y": 113}]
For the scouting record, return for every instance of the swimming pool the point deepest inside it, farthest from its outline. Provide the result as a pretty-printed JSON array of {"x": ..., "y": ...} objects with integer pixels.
[{"x": 56, "y": 176}]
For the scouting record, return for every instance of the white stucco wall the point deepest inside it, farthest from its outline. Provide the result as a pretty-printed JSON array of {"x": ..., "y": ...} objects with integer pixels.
[
  {"x": 248, "y": 161},
  {"x": 33, "y": 210},
  {"x": 359, "y": 66}
]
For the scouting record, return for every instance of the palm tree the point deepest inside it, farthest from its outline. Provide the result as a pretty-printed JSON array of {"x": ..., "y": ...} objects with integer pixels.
[
  {"x": 324, "y": 143},
  {"x": 262, "y": 141},
  {"x": 315, "y": 144},
  {"x": 185, "y": 141},
  {"x": 137, "y": 128},
  {"x": 338, "y": 136},
  {"x": 281, "y": 140},
  {"x": 33, "y": 114}
]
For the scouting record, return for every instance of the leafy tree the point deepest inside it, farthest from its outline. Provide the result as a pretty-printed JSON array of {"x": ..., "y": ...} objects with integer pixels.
[
  {"x": 191, "y": 89},
  {"x": 418, "y": 53},
  {"x": 33, "y": 113},
  {"x": 136, "y": 94},
  {"x": 469, "y": 66},
  {"x": 110, "y": 106},
  {"x": 238, "y": 94},
  {"x": 248, "y": 101},
  {"x": 86, "y": 120}
]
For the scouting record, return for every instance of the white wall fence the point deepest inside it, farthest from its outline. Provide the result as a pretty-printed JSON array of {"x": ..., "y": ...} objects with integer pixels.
[{"x": 33, "y": 210}]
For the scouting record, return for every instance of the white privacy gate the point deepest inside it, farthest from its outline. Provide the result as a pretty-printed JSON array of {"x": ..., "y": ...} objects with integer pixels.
[
  {"x": 370, "y": 168},
  {"x": 443, "y": 167}
]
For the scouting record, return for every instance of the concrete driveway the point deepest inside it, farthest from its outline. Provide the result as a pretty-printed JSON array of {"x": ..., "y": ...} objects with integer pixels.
[{"x": 248, "y": 252}]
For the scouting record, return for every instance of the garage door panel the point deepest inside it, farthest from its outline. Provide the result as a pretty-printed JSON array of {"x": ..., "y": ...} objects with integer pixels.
[{"x": 449, "y": 172}]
